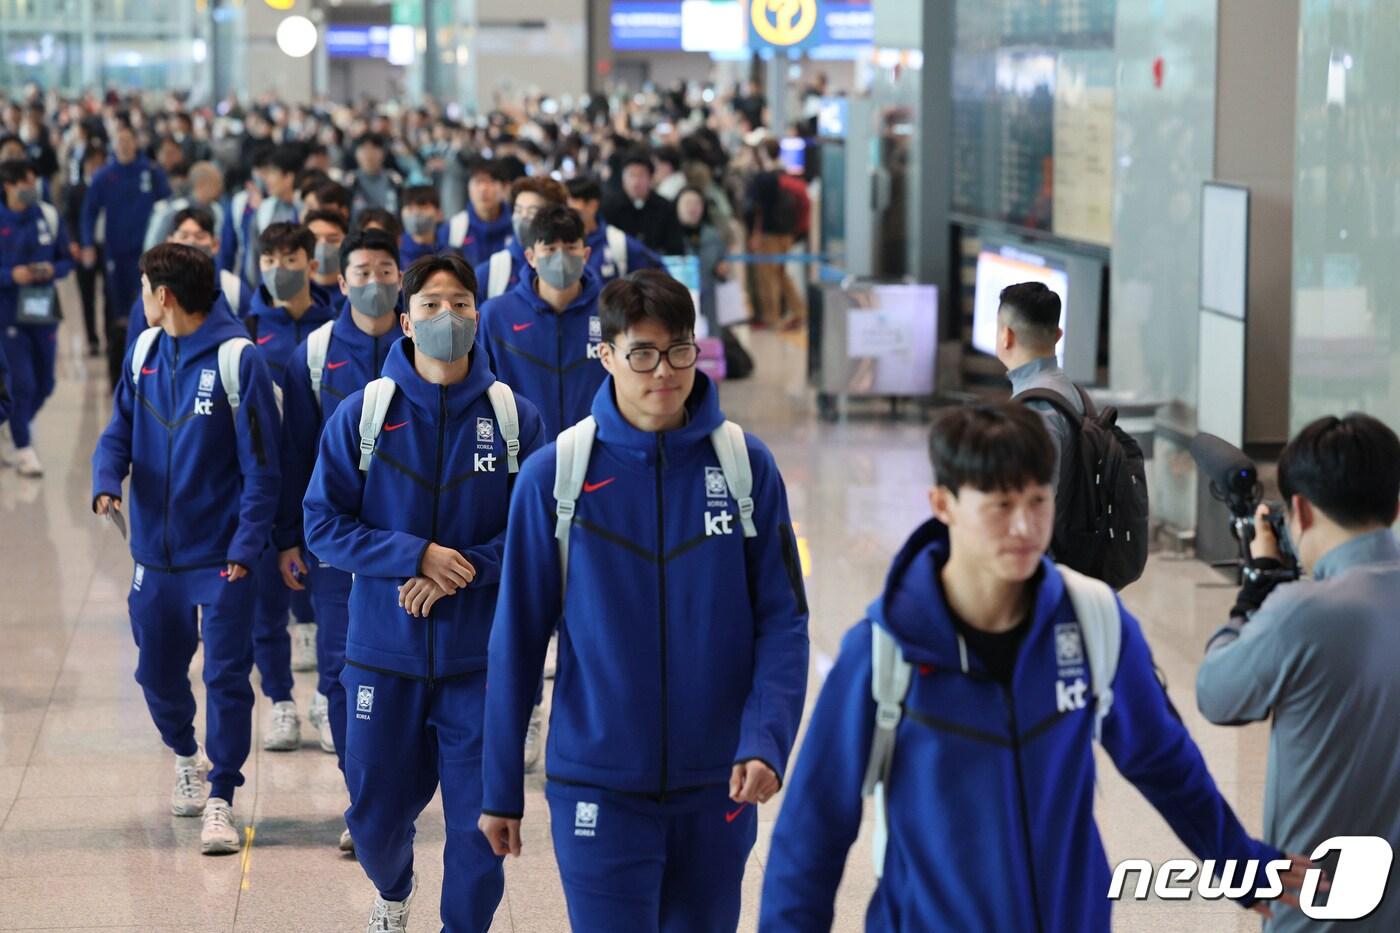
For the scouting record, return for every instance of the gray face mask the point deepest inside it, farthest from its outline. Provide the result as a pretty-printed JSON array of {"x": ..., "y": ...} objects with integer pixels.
[
  {"x": 375, "y": 299},
  {"x": 445, "y": 338},
  {"x": 282, "y": 284},
  {"x": 561, "y": 269},
  {"x": 419, "y": 224},
  {"x": 521, "y": 228},
  {"x": 327, "y": 259},
  {"x": 29, "y": 196}
]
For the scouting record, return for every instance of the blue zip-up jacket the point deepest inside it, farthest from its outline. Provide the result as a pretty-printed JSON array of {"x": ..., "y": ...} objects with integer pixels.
[
  {"x": 202, "y": 493},
  {"x": 277, "y": 334},
  {"x": 25, "y": 237},
  {"x": 518, "y": 268},
  {"x": 991, "y": 795},
  {"x": 410, "y": 250},
  {"x": 128, "y": 193},
  {"x": 483, "y": 237},
  {"x": 435, "y": 478},
  {"x": 549, "y": 357},
  {"x": 353, "y": 358},
  {"x": 682, "y": 644},
  {"x": 639, "y": 256}
]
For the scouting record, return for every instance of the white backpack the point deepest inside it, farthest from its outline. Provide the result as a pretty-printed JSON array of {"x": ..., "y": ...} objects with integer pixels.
[
  {"x": 575, "y": 445},
  {"x": 318, "y": 344},
  {"x": 230, "y": 353},
  {"x": 1096, "y": 609},
  {"x": 617, "y": 250},
  {"x": 380, "y": 392},
  {"x": 232, "y": 287},
  {"x": 498, "y": 274},
  {"x": 457, "y": 229}
]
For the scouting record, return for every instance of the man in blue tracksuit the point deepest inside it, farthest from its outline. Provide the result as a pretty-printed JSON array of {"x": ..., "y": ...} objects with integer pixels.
[
  {"x": 355, "y": 350},
  {"x": 586, "y": 197},
  {"x": 528, "y": 196},
  {"x": 990, "y": 790},
  {"x": 285, "y": 309},
  {"x": 424, "y": 233},
  {"x": 421, "y": 524},
  {"x": 125, "y": 191},
  {"x": 34, "y": 254},
  {"x": 201, "y": 500},
  {"x": 484, "y": 225},
  {"x": 682, "y": 661},
  {"x": 272, "y": 200}
]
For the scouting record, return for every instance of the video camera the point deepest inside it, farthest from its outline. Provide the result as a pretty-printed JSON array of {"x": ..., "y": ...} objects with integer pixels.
[{"x": 1234, "y": 480}]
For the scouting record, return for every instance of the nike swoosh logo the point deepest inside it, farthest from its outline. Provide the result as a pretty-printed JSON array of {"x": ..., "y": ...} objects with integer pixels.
[
  {"x": 519, "y": 327},
  {"x": 338, "y": 365},
  {"x": 594, "y": 487},
  {"x": 223, "y": 573},
  {"x": 731, "y": 817},
  {"x": 149, "y": 372},
  {"x": 263, "y": 340},
  {"x": 394, "y": 427}
]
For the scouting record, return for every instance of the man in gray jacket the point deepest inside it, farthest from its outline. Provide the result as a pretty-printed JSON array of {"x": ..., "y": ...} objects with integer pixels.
[{"x": 1322, "y": 656}]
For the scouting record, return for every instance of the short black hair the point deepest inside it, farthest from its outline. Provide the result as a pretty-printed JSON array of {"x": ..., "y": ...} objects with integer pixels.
[
  {"x": 488, "y": 167},
  {"x": 188, "y": 273},
  {"x": 991, "y": 448},
  {"x": 202, "y": 216},
  {"x": 369, "y": 239},
  {"x": 1033, "y": 311},
  {"x": 671, "y": 155},
  {"x": 1348, "y": 467},
  {"x": 309, "y": 179},
  {"x": 371, "y": 139},
  {"x": 554, "y": 223},
  {"x": 584, "y": 188},
  {"x": 329, "y": 217},
  {"x": 648, "y": 294},
  {"x": 416, "y": 195},
  {"x": 15, "y": 171},
  {"x": 287, "y": 158},
  {"x": 417, "y": 275},
  {"x": 378, "y": 215},
  {"x": 330, "y": 192},
  {"x": 261, "y": 156},
  {"x": 286, "y": 237},
  {"x": 639, "y": 157}
]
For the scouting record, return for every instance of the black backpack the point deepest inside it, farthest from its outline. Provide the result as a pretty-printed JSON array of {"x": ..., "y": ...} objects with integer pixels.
[{"x": 1101, "y": 526}]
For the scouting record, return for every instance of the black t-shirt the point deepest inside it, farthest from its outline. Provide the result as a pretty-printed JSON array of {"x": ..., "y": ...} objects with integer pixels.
[{"x": 997, "y": 650}]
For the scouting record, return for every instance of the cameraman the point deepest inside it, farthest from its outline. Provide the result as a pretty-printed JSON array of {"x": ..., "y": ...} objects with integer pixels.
[{"x": 1322, "y": 656}]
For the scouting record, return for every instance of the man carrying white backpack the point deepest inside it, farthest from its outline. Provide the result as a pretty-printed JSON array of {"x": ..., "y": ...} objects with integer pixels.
[{"x": 967, "y": 705}]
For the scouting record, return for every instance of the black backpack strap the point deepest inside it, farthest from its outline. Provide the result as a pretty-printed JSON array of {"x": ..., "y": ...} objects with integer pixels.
[{"x": 1058, "y": 402}]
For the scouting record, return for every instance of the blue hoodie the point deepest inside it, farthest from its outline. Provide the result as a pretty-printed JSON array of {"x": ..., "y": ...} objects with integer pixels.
[
  {"x": 549, "y": 357},
  {"x": 410, "y": 250},
  {"x": 277, "y": 334},
  {"x": 434, "y": 479},
  {"x": 128, "y": 193},
  {"x": 671, "y": 668},
  {"x": 353, "y": 358},
  {"x": 202, "y": 493},
  {"x": 25, "y": 238},
  {"x": 639, "y": 256},
  {"x": 518, "y": 268},
  {"x": 483, "y": 237},
  {"x": 991, "y": 797}
]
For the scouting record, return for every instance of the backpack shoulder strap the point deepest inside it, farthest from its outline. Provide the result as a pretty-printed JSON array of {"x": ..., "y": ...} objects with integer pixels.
[
  {"x": 733, "y": 453},
  {"x": 617, "y": 249},
  {"x": 498, "y": 274},
  {"x": 142, "y": 352},
  {"x": 318, "y": 344},
  {"x": 50, "y": 215},
  {"x": 572, "y": 450},
  {"x": 1057, "y": 401},
  {"x": 378, "y": 394},
  {"x": 230, "y": 354},
  {"x": 503, "y": 404},
  {"x": 457, "y": 229},
  {"x": 232, "y": 287},
  {"x": 890, "y": 676},
  {"x": 1101, "y": 623}
]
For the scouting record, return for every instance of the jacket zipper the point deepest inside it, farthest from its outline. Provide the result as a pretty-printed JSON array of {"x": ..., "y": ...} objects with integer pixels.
[
  {"x": 559, "y": 364},
  {"x": 170, "y": 454},
  {"x": 1024, "y": 809},
  {"x": 661, "y": 575},
  {"x": 437, "y": 488}
]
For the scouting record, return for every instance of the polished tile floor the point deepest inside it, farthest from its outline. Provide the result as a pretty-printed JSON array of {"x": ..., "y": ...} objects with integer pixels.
[{"x": 86, "y": 839}]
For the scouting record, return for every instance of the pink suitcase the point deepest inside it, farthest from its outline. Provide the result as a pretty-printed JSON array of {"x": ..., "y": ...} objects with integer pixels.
[{"x": 711, "y": 359}]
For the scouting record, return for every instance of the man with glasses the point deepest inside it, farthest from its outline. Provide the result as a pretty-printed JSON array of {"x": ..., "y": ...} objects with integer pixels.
[
  {"x": 528, "y": 196},
  {"x": 656, "y": 536}
]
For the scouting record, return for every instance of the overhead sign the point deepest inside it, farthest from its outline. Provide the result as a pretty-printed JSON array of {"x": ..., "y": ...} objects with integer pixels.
[
  {"x": 806, "y": 24},
  {"x": 640, "y": 26}
]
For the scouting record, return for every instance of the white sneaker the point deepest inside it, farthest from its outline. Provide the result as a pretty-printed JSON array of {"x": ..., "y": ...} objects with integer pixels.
[
  {"x": 320, "y": 718},
  {"x": 27, "y": 462},
  {"x": 391, "y": 916},
  {"x": 304, "y": 646},
  {"x": 219, "y": 836},
  {"x": 191, "y": 775},
  {"x": 551, "y": 657},
  {"x": 534, "y": 734},
  {"x": 284, "y": 730},
  {"x": 346, "y": 843}
]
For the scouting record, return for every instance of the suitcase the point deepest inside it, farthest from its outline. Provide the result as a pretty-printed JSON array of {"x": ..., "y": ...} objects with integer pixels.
[{"x": 711, "y": 359}]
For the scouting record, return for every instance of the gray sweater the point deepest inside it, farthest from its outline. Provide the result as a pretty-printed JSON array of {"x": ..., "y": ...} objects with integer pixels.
[{"x": 1322, "y": 657}]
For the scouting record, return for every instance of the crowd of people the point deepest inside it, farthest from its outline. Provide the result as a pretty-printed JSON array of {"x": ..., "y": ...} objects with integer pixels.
[{"x": 428, "y": 390}]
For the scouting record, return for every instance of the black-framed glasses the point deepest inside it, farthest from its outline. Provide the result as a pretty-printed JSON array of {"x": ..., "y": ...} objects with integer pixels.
[{"x": 646, "y": 359}]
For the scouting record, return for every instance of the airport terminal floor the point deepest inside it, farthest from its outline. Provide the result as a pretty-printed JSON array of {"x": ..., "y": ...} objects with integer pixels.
[{"x": 87, "y": 841}]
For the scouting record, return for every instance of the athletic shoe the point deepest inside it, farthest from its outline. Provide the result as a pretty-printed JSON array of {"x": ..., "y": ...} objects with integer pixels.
[
  {"x": 284, "y": 730},
  {"x": 27, "y": 462},
  {"x": 391, "y": 916},
  {"x": 191, "y": 774},
  {"x": 346, "y": 843},
  {"x": 320, "y": 718},
  {"x": 304, "y": 646},
  {"x": 551, "y": 657},
  {"x": 7, "y": 447},
  {"x": 533, "y": 735},
  {"x": 219, "y": 836}
]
